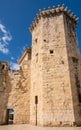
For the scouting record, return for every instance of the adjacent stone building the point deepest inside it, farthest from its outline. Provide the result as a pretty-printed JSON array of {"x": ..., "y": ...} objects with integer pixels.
[
  {"x": 15, "y": 91},
  {"x": 46, "y": 91}
]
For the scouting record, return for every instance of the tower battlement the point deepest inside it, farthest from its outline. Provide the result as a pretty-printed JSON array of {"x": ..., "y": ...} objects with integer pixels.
[{"x": 53, "y": 12}]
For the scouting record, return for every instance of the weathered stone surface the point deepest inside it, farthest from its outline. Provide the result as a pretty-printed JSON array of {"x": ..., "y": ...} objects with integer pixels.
[
  {"x": 54, "y": 46},
  {"x": 15, "y": 93}
]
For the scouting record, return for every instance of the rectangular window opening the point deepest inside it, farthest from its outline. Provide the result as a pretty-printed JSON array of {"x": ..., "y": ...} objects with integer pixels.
[
  {"x": 36, "y": 99},
  {"x": 36, "y": 40},
  {"x": 51, "y": 51},
  {"x": 37, "y": 57}
]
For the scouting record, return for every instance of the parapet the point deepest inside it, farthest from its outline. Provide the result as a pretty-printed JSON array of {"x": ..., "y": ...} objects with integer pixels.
[{"x": 52, "y": 12}]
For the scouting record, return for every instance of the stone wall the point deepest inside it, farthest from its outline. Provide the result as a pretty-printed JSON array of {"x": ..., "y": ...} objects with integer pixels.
[
  {"x": 74, "y": 66},
  {"x": 16, "y": 95},
  {"x": 57, "y": 96},
  {"x": 36, "y": 112}
]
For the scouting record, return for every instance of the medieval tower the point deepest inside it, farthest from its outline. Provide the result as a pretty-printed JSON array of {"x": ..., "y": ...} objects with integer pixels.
[
  {"x": 46, "y": 91},
  {"x": 55, "y": 69}
]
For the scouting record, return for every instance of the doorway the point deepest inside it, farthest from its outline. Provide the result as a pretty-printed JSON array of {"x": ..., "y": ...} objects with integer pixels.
[{"x": 10, "y": 116}]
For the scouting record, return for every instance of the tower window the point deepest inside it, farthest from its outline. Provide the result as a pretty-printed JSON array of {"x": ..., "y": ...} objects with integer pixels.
[
  {"x": 75, "y": 60},
  {"x": 36, "y": 40},
  {"x": 37, "y": 57},
  {"x": 44, "y": 40},
  {"x": 62, "y": 62},
  {"x": 36, "y": 99},
  {"x": 51, "y": 51}
]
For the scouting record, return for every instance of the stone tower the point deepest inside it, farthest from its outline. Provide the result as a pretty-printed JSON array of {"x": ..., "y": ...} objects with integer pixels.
[{"x": 55, "y": 69}]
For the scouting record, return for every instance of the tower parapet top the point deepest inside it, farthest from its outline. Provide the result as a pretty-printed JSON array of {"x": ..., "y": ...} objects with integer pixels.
[{"x": 51, "y": 12}]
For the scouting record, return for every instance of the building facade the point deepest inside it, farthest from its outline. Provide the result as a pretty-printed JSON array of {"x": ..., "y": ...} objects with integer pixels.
[{"x": 46, "y": 91}]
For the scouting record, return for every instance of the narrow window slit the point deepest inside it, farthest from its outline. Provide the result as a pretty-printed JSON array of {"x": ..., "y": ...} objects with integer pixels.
[{"x": 51, "y": 51}]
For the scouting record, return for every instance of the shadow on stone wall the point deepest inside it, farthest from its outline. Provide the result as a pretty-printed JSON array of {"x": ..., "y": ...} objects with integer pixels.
[{"x": 15, "y": 94}]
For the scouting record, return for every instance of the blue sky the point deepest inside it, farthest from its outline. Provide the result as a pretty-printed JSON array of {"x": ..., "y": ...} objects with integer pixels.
[{"x": 15, "y": 19}]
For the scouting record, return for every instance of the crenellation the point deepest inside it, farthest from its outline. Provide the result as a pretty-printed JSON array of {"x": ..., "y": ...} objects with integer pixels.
[
  {"x": 66, "y": 9},
  {"x": 57, "y": 10},
  {"x": 54, "y": 11}
]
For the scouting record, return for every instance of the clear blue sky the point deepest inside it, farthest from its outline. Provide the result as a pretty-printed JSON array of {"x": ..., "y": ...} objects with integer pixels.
[{"x": 15, "y": 19}]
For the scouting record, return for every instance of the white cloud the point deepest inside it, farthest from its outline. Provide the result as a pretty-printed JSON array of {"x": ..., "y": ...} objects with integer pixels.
[
  {"x": 18, "y": 59},
  {"x": 3, "y": 48},
  {"x": 14, "y": 66},
  {"x": 5, "y": 38},
  {"x": 2, "y": 28},
  {"x": 12, "y": 58}
]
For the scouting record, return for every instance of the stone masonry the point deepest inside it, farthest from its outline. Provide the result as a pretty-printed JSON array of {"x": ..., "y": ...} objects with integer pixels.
[
  {"x": 15, "y": 91},
  {"x": 46, "y": 91}
]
